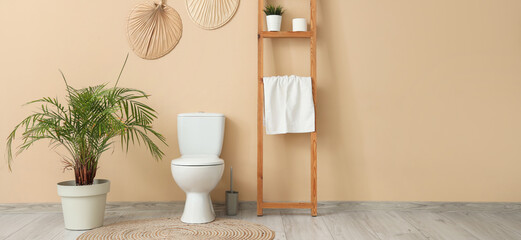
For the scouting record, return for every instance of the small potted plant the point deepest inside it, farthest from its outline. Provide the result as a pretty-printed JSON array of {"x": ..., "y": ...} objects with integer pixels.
[
  {"x": 85, "y": 128},
  {"x": 273, "y": 17}
]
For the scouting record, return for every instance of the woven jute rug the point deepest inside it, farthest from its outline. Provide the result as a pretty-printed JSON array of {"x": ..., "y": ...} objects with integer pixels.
[{"x": 173, "y": 228}]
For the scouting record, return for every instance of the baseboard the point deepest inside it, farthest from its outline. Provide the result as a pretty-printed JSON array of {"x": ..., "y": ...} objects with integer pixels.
[{"x": 322, "y": 206}]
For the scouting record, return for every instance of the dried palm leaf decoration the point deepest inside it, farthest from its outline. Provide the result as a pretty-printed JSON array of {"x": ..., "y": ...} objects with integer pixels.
[
  {"x": 154, "y": 29},
  {"x": 211, "y": 14}
]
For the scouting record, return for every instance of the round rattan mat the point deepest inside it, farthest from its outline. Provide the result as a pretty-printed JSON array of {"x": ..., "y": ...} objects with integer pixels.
[{"x": 173, "y": 228}]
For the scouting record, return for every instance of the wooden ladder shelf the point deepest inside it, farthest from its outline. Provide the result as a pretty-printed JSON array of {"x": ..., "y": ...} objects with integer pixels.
[{"x": 312, "y": 35}]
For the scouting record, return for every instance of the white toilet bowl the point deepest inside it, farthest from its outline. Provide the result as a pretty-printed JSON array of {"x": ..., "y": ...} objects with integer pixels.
[
  {"x": 199, "y": 168},
  {"x": 197, "y": 177}
]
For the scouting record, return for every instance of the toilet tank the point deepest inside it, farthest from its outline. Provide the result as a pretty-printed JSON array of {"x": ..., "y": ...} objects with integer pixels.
[{"x": 200, "y": 133}]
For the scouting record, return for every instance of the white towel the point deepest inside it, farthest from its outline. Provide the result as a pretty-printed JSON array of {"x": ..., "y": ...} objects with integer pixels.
[{"x": 288, "y": 105}]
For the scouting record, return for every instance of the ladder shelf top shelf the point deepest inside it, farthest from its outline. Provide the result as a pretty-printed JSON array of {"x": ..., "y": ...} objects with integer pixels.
[{"x": 266, "y": 34}]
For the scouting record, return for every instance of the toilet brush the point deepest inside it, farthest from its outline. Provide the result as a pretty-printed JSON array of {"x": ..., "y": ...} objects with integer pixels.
[
  {"x": 232, "y": 198},
  {"x": 231, "y": 179}
]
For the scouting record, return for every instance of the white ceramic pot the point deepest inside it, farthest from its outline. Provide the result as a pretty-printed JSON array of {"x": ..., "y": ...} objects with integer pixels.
[
  {"x": 273, "y": 22},
  {"x": 83, "y": 206}
]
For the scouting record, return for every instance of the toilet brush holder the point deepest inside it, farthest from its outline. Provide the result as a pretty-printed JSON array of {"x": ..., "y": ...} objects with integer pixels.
[
  {"x": 232, "y": 198},
  {"x": 232, "y": 203}
]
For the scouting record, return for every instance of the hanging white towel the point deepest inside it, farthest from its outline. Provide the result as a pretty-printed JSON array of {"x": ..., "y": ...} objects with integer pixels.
[{"x": 288, "y": 105}]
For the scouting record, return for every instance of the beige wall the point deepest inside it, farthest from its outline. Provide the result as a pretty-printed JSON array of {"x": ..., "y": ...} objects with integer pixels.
[{"x": 418, "y": 100}]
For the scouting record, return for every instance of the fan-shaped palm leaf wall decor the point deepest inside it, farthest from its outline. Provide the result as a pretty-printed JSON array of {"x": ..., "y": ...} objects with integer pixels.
[
  {"x": 154, "y": 29},
  {"x": 211, "y": 14}
]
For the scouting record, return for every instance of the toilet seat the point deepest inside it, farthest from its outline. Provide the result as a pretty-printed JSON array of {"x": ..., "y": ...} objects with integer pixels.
[{"x": 197, "y": 161}]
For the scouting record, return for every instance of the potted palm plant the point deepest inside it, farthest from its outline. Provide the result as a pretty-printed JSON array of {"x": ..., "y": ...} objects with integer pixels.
[
  {"x": 85, "y": 128},
  {"x": 273, "y": 17}
]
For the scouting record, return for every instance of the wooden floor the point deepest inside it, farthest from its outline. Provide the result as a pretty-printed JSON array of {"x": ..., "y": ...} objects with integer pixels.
[{"x": 336, "y": 220}]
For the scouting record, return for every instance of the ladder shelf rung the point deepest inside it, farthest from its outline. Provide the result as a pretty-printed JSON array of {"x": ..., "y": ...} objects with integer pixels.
[
  {"x": 300, "y": 205},
  {"x": 261, "y": 80}
]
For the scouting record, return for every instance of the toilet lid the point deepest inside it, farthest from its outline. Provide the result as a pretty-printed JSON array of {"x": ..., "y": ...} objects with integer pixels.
[{"x": 197, "y": 161}]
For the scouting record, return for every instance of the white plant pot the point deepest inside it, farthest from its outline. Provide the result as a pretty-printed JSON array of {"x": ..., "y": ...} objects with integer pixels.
[
  {"x": 273, "y": 22},
  {"x": 300, "y": 25},
  {"x": 83, "y": 206}
]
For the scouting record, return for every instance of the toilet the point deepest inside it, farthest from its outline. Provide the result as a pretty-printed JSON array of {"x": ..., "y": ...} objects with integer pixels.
[{"x": 199, "y": 169}]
